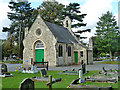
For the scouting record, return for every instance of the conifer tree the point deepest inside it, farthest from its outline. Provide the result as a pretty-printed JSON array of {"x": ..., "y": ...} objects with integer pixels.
[
  {"x": 21, "y": 17},
  {"x": 107, "y": 34}
]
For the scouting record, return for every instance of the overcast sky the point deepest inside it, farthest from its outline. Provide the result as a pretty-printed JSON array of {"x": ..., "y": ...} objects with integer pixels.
[{"x": 93, "y": 9}]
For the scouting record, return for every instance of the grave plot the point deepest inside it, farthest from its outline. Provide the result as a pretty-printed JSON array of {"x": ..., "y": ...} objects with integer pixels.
[
  {"x": 43, "y": 77},
  {"x": 73, "y": 71},
  {"x": 4, "y": 71},
  {"x": 108, "y": 76},
  {"x": 66, "y": 72},
  {"x": 104, "y": 76},
  {"x": 74, "y": 84}
]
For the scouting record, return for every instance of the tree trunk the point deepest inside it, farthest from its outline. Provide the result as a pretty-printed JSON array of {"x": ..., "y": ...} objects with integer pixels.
[{"x": 20, "y": 41}]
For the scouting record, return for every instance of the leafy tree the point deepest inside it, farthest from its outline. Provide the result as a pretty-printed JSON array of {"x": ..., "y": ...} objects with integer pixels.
[
  {"x": 51, "y": 12},
  {"x": 55, "y": 12},
  {"x": 107, "y": 34},
  {"x": 96, "y": 53},
  {"x": 8, "y": 46},
  {"x": 21, "y": 16}
]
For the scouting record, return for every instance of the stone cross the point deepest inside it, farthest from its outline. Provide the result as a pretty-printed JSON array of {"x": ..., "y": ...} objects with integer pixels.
[
  {"x": 51, "y": 82},
  {"x": 26, "y": 84},
  {"x": 80, "y": 75}
]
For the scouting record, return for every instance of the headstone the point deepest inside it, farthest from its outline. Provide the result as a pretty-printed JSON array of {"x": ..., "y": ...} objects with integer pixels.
[
  {"x": 4, "y": 71},
  {"x": 5, "y": 58},
  {"x": 80, "y": 75},
  {"x": 26, "y": 84},
  {"x": 4, "y": 68},
  {"x": 83, "y": 67},
  {"x": 43, "y": 73},
  {"x": 34, "y": 68}
]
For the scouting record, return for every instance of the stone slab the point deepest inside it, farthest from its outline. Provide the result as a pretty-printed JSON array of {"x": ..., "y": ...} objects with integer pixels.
[{"x": 45, "y": 79}]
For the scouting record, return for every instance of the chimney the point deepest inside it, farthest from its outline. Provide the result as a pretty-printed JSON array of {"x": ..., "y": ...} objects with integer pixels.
[{"x": 67, "y": 23}]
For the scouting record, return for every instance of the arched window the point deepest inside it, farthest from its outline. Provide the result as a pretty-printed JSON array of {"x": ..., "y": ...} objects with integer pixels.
[
  {"x": 39, "y": 45},
  {"x": 81, "y": 54},
  {"x": 69, "y": 50},
  {"x": 67, "y": 23},
  {"x": 60, "y": 51}
]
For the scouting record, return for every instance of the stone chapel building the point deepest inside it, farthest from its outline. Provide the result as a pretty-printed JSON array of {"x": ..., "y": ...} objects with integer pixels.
[{"x": 56, "y": 44}]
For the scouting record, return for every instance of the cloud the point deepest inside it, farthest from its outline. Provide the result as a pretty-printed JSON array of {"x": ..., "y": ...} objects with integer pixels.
[
  {"x": 4, "y": 22},
  {"x": 94, "y": 9}
]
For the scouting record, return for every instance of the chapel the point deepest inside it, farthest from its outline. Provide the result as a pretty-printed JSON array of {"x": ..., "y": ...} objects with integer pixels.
[{"x": 58, "y": 45}]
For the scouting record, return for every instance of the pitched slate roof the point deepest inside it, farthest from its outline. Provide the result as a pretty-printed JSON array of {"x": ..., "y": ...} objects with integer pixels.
[{"x": 62, "y": 34}]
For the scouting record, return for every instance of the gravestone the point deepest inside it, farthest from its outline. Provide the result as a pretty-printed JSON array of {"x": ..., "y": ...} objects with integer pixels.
[
  {"x": 26, "y": 84},
  {"x": 80, "y": 75},
  {"x": 43, "y": 73},
  {"x": 43, "y": 77},
  {"x": 4, "y": 69},
  {"x": 83, "y": 67},
  {"x": 5, "y": 58}
]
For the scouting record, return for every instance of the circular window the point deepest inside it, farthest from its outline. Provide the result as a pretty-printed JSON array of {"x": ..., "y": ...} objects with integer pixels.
[{"x": 38, "y": 31}]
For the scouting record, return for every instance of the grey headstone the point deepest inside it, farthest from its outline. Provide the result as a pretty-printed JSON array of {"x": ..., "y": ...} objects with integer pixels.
[
  {"x": 43, "y": 72},
  {"x": 5, "y": 58},
  {"x": 3, "y": 68},
  {"x": 84, "y": 68},
  {"x": 26, "y": 84}
]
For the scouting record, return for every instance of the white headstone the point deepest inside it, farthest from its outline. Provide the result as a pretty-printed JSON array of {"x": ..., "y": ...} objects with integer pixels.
[
  {"x": 80, "y": 75},
  {"x": 5, "y": 58}
]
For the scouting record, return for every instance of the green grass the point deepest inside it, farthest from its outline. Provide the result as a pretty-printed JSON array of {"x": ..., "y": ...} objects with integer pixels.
[
  {"x": 109, "y": 62},
  {"x": 13, "y": 82}
]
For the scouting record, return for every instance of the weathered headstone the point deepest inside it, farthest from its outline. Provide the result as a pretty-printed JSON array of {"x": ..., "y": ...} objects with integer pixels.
[
  {"x": 26, "y": 84},
  {"x": 80, "y": 75},
  {"x": 4, "y": 71},
  {"x": 4, "y": 68},
  {"x": 5, "y": 58},
  {"x": 83, "y": 67},
  {"x": 43, "y": 73}
]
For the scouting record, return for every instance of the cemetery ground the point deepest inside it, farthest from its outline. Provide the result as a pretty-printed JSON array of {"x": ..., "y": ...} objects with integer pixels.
[
  {"x": 110, "y": 62},
  {"x": 14, "y": 82}
]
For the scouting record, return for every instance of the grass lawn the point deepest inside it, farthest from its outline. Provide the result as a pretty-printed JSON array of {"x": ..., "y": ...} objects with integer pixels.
[
  {"x": 13, "y": 82},
  {"x": 109, "y": 62}
]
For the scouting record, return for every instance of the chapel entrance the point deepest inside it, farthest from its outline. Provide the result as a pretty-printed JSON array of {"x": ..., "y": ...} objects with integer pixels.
[
  {"x": 39, "y": 52},
  {"x": 76, "y": 57}
]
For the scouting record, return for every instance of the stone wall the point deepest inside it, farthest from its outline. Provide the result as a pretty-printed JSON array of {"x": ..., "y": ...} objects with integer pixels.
[
  {"x": 46, "y": 37},
  {"x": 64, "y": 60}
]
